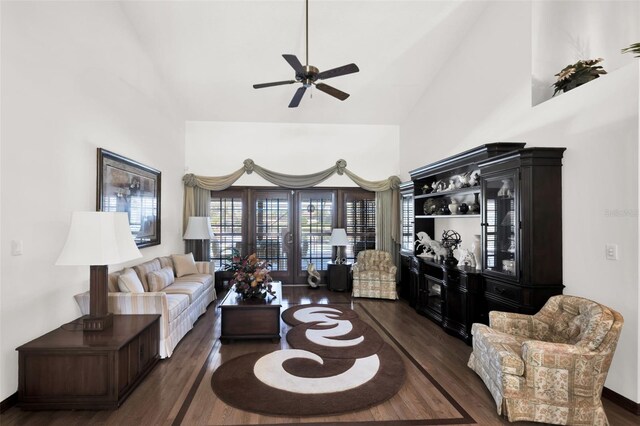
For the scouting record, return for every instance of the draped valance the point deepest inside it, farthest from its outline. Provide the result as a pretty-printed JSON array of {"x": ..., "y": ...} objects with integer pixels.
[{"x": 197, "y": 189}]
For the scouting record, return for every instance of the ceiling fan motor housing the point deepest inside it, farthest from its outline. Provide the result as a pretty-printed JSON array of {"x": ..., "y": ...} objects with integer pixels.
[{"x": 308, "y": 76}]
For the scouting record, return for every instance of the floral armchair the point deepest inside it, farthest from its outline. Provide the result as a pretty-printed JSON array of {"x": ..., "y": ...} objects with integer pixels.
[
  {"x": 374, "y": 275},
  {"x": 548, "y": 367}
]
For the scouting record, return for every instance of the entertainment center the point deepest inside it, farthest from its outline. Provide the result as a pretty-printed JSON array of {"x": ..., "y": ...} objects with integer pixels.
[{"x": 516, "y": 194}]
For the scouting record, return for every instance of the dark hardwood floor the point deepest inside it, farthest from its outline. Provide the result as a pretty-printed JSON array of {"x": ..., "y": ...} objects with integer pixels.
[{"x": 440, "y": 388}]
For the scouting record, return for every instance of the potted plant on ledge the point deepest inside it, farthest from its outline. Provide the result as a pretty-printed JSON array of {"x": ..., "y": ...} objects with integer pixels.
[{"x": 577, "y": 74}]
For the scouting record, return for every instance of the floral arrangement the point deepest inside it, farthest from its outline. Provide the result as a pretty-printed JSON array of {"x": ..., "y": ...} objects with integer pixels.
[
  {"x": 578, "y": 74},
  {"x": 251, "y": 276}
]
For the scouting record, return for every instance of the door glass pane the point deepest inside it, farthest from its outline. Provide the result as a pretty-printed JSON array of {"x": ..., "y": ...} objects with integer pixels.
[
  {"x": 315, "y": 223},
  {"x": 271, "y": 229},
  {"x": 501, "y": 230}
]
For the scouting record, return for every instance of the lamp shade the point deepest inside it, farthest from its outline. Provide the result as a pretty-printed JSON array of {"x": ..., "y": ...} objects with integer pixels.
[
  {"x": 339, "y": 237},
  {"x": 198, "y": 228},
  {"x": 98, "y": 238}
]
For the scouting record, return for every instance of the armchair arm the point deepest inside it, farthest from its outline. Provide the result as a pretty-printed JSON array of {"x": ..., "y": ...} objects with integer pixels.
[
  {"x": 511, "y": 323},
  {"x": 205, "y": 267},
  {"x": 554, "y": 367}
]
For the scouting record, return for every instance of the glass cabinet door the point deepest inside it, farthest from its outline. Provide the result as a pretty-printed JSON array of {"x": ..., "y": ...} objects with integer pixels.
[{"x": 501, "y": 224}]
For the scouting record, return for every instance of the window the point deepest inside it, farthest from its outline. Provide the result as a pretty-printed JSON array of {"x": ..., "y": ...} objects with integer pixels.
[
  {"x": 360, "y": 222},
  {"x": 227, "y": 223}
]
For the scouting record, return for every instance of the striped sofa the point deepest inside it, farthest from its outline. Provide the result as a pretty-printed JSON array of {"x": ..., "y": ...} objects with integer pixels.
[{"x": 180, "y": 303}]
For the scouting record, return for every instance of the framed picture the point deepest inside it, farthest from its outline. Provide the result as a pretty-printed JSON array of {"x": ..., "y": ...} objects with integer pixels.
[{"x": 127, "y": 186}]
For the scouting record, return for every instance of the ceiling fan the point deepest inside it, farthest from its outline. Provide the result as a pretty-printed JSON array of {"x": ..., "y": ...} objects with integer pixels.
[{"x": 308, "y": 75}]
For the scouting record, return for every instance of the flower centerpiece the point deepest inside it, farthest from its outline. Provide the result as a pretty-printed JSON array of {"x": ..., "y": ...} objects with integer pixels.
[{"x": 251, "y": 277}]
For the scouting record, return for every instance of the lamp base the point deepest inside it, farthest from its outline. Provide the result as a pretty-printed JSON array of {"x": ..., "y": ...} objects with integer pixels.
[{"x": 97, "y": 323}]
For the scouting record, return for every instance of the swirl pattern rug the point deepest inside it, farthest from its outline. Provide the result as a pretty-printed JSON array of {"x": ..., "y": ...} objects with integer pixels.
[{"x": 337, "y": 363}]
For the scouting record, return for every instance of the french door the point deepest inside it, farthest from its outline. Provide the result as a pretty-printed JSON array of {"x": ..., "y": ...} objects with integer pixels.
[{"x": 290, "y": 228}]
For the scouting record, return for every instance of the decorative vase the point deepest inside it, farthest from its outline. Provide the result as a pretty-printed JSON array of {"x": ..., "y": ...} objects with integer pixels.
[
  {"x": 474, "y": 207},
  {"x": 476, "y": 249},
  {"x": 453, "y": 207},
  {"x": 463, "y": 208}
]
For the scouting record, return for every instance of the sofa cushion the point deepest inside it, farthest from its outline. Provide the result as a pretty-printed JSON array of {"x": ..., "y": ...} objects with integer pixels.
[
  {"x": 128, "y": 282},
  {"x": 184, "y": 264},
  {"x": 144, "y": 268},
  {"x": 178, "y": 303},
  {"x": 158, "y": 280},
  {"x": 166, "y": 261},
  {"x": 204, "y": 279},
  {"x": 192, "y": 289},
  {"x": 112, "y": 282}
]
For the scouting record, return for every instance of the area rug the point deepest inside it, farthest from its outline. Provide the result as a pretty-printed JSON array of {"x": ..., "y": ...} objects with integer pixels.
[{"x": 338, "y": 364}]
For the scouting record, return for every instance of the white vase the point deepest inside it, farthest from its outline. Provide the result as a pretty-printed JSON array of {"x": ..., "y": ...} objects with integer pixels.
[{"x": 476, "y": 249}]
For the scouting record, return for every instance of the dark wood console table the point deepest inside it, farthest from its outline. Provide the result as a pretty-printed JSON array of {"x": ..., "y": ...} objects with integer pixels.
[
  {"x": 251, "y": 318},
  {"x": 69, "y": 369}
]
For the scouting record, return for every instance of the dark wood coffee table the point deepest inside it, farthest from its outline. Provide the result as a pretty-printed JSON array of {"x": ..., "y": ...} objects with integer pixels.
[{"x": 252, "y": 318}]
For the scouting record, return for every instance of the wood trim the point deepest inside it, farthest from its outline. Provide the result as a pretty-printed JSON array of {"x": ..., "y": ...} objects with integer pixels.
[
  {"x": 11, "y": 401},
  {"x": 621, "y": 401}
]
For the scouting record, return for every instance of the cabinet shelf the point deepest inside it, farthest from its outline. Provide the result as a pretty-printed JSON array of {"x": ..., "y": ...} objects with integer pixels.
[
  {"x": 468, "y": 190},
  {"x": 446, "y": 216}
]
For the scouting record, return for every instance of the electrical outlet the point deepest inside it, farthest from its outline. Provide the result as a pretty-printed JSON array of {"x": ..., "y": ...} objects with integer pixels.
[{"x": 611, "y": 251}]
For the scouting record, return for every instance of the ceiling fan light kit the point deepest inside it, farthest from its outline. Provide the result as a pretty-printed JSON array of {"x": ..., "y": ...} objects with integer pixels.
[{"x": 308, "y": 75}]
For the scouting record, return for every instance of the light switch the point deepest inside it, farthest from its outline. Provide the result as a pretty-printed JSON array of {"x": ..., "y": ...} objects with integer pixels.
[
  {"x": 16, "y": 247},
  {"x": 611, "y": 251}
]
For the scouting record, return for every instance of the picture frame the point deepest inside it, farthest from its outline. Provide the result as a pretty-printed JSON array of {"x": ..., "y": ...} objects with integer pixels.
[{"x": 124, "y": 185}]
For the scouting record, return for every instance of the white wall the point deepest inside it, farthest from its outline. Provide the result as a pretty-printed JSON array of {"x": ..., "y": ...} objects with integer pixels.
[
  {"x": 597, "y": 123},
  {"x": 219, "y": 148},
  {"x": 74, "y": 78}
]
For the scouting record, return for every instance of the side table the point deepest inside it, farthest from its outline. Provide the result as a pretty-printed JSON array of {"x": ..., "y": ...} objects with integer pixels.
[
  {"x": 339, "y": 276},
  {"x": 92, "y": 370}
]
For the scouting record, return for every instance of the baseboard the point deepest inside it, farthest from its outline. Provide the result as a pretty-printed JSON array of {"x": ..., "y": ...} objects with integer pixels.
[
  {"x": 621, "y": 401},
  {"x": 9, "y": 402}
]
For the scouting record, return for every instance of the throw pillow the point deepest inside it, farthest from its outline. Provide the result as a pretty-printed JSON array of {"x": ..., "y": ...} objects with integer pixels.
[
  {"x": 160, "y": 279},
  {"x": 184, "y": 264},
  {"x": 128, "y": 282}
]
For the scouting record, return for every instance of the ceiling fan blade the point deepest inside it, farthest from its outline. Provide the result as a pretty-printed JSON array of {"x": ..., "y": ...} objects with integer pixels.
[
  {"x": 294, "y": 62},
  {"x": 295, "y": 101},
  {"x": 335, "y": 72},
  {"x": 332, "y": 91},
  {"x": 275, "y": 83}
]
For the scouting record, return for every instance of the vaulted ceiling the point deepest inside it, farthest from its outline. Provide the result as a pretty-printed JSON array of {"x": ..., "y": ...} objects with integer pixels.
[{"x": 211, "y": 52}]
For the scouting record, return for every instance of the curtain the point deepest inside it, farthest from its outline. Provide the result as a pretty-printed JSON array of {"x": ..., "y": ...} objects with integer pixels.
[
  {"x": 196, "y": 203},
  {"x": 387, "y": 195}
]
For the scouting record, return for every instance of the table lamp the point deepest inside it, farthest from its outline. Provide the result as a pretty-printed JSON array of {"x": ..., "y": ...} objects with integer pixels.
[
  {"x": 339, "y": 239},
  {"x": 98, "y": 239},
  {"x": 199, "y": 228}
]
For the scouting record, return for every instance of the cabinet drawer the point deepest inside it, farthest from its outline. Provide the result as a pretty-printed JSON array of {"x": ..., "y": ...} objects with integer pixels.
[{"x": 503, "y": 291}]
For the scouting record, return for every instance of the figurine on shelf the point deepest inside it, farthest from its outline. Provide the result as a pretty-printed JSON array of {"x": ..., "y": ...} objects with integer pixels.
[
  {"x": 452, "y": 185},
  {"x": 474, "y": 178},
  {"x": 426, "y": 189},
  {"x": 464, "y": 180},
  {"x": 467, "y": 258},
  {"x": 438, "y": 186},
  {"x": 430, "y": 248}
]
